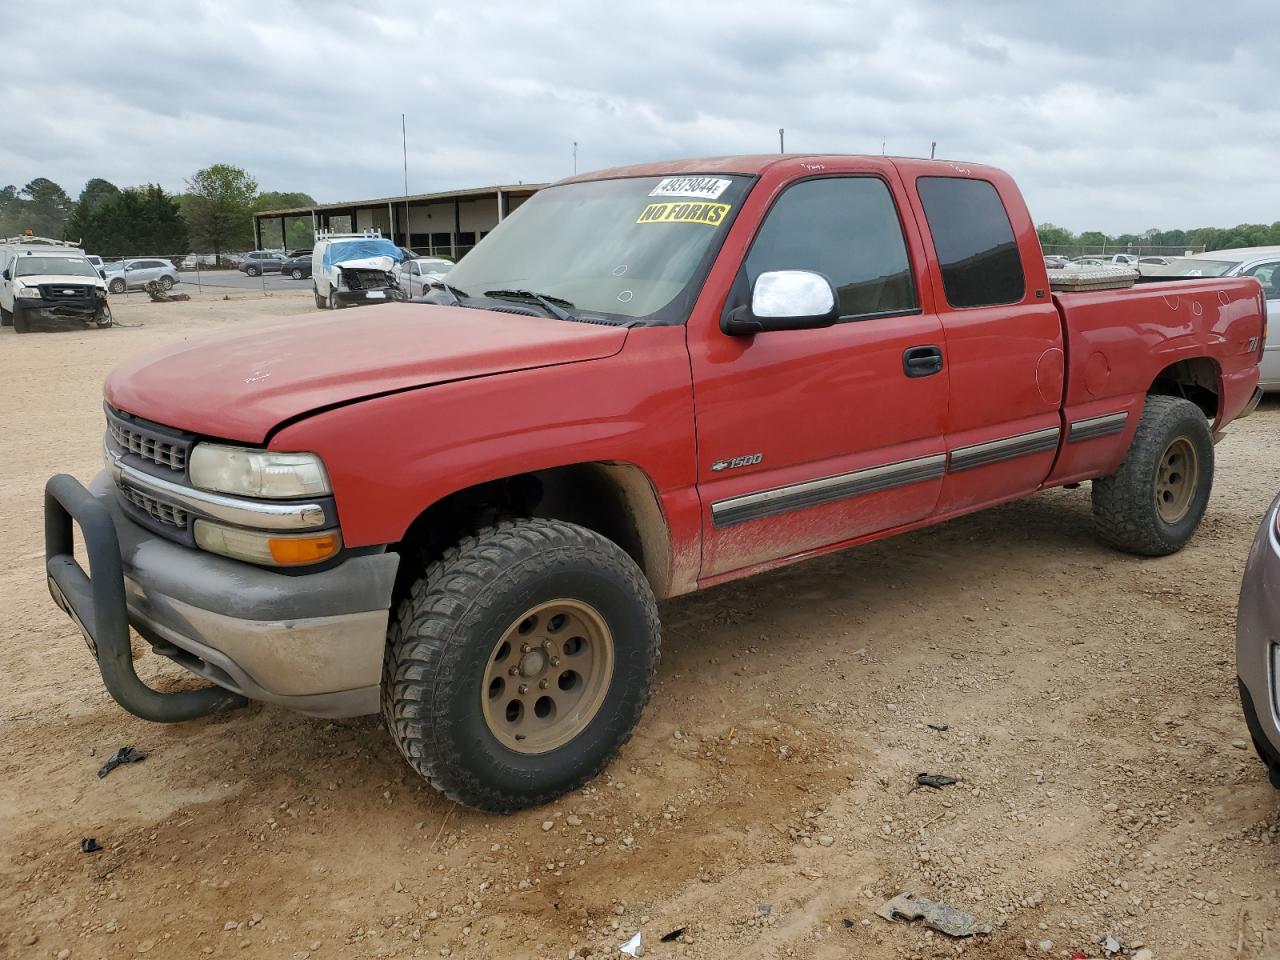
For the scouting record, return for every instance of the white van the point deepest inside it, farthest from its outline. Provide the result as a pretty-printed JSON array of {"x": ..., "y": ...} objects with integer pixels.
[
  {"x": 354, "y": 268},
  {"x": 43, "y": 279}
]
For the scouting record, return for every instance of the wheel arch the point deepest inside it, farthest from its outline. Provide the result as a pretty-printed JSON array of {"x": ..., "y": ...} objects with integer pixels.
[
  {"x": 1198, "y": 379},
  {"x": 616, "y": 499}
]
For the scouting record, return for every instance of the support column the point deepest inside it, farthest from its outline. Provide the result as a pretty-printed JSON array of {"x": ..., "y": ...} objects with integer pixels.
[
  {"x": 284, "y": 235},
  {"x": 501, "y": 203},
  {"x": 457, "y": 228},
  {"x": 257, "y": 234}
]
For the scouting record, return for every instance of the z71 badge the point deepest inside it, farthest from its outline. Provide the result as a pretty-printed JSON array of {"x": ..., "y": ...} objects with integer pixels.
[{"x": 750, "y": 460}]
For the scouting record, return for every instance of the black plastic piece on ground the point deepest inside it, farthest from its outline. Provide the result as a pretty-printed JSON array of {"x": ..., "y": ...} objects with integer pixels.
[
  {"x": 1268, "y": 753},
  {"x": 123, "y": 755},
  {"x": 98, "y": 605},
  {"x": 935, "y": 780},
  {"x": 90, "y": 845}
]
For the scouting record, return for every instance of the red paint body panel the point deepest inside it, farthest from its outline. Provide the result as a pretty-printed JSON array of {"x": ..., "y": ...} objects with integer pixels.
[
  {"x": 410, "y": 403},
  {"x": 241, "y": 387}
]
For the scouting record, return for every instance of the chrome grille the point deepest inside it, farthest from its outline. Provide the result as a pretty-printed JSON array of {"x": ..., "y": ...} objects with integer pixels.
[
  {"x": 155, "y": 449},
  {"x": 166, "y": 513}
]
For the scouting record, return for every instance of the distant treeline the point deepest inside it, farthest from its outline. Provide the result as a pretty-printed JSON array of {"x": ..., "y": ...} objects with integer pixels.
[
  {"x": 1201, "y": 238},
  {"x": 213, "y": 215}
]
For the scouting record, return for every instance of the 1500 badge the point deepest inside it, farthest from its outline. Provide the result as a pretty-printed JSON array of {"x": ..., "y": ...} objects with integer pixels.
[{"x": 750, "y": 460}]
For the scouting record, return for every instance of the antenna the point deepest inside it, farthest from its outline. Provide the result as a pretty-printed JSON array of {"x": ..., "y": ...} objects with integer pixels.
[
  {"x": 404, "y": 152},
  {"x": 882, "y": 143},
  {"x": 933, "y": 149},
  {"x": 575, "y": 158},
  {"x": 782, "y": 142}
]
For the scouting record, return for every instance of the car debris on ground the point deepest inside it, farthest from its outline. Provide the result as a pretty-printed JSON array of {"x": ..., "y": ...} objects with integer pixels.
[
  {"x": 123, "y": 755},
  {"x": 936, "y": 916},
  {"x": 935, "y": 780},
  {"x": 633, "y": 947},
  {"x": 90, "y": 845}
]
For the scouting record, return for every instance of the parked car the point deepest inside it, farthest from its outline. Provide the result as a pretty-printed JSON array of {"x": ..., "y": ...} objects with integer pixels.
[
  {"x": 49, "y": 280},
  {"x": 1257, "y": 631},
  {"x": 135, "y": 274},
  {"x": 461, "y": 513},
  {"x": 299, "y": 267},
  {"x": 262, "y": 261},
  {"x": 1052, "y": 262},
  {"x": 415, "y": 276},
  {"x": 199, "y": 261},
  {"x": 1261, "y": 263},
  {"x": 352, "y": 269}
]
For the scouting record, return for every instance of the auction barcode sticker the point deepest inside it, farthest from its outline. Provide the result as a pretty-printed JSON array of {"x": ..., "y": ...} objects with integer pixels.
[{"x": 705, "y": 188}]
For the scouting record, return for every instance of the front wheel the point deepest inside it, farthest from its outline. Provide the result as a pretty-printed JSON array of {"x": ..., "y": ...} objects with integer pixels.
[
  {"x": 20, "y": 322},
  {"x": 104, "y": 317},
  {"x": 166, "y": 283},
  {"x": 519, "y": 663},
  {"x": 296, "y": 273},
  {"x": 6, "y": 318},
  {"x": 332, "y": 301},
  {"x": 1154, "y": 503},
  {"x": 252, "y": 271}
]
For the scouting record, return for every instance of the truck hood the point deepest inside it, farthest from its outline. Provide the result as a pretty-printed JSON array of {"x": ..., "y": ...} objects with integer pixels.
[
  {"x": 366, "y": 263},
  {"x": 70, "y": 279},
  {"x": 241, "y": 387}
]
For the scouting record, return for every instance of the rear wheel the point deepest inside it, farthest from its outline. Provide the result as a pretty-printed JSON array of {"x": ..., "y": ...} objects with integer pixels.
[
  {"x": 296, "y": 273},
  {"x": 1153, "y": 504},
  {"x": 166, "y": 283},
  {"x": 519, "y": 663},
  {"x": 252, "y": 271},
  {"x": 117, "y": 286}
]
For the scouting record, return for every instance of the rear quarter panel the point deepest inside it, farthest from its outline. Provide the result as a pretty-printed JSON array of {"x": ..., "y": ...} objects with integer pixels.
[{"x": 1118, "y": 342}]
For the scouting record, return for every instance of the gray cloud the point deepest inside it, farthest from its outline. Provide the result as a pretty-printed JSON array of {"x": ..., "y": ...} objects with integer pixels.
[{"x": 1118, "y": 116}]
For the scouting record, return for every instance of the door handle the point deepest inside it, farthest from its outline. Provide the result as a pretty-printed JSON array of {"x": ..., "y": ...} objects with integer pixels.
[{"x": 922, "y": 361}]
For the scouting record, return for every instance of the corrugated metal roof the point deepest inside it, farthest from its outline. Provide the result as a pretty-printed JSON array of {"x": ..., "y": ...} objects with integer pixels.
[{"x": 516, "y": 189}]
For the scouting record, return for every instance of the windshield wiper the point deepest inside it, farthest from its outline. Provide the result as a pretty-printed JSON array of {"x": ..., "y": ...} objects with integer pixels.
[
  {"x": 550, "y": 304},
  {"x": 452, "y": 291}
]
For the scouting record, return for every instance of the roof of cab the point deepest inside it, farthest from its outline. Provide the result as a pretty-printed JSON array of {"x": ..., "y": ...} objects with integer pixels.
[{"x": 752, "y": 165}]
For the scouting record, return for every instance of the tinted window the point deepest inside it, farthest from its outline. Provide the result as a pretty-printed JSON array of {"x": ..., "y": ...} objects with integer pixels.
[
  {"x": 846, "y": 229},
  {"x": 979, "y": 257}
]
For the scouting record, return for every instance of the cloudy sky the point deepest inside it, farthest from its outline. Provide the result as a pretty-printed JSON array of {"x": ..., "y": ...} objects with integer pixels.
[{"x": 1118, "y": 116}]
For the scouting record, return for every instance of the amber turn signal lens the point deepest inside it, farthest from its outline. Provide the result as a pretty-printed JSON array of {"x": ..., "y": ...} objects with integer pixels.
[{"x": 294, "y": 550}]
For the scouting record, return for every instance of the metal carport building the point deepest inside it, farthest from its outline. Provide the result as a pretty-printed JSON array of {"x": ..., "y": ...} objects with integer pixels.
[{"x": 449, "y": 223}]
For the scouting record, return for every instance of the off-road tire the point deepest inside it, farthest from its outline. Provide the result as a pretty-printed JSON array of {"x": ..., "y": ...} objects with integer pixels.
[
  {"x": 117, "y": 286},
  {"x": 1124, "y": 503},
  {"x": 296, "y": 273},
  {"x": 20, "y": 322},
  {"x": 442, "y": 637},
  {"x": 166, "y": 283}
]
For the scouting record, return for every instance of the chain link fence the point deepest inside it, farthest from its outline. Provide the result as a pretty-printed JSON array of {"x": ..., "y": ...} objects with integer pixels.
[
  {"x": 197, "y": 274},
  {"x": 1073, "y": 250}
]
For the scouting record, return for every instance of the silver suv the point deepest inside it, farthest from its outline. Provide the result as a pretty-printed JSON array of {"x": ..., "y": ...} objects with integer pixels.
[
  {"x": 263, "y": 261},
  {"x": 136, "y": 274}
]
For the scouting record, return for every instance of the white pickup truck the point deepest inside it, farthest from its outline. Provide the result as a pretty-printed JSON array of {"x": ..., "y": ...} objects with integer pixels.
[{"x": 43, "y": 279}]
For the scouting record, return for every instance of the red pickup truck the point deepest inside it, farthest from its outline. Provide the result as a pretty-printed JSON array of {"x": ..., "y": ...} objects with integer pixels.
[{"x": 645, "y": 381}]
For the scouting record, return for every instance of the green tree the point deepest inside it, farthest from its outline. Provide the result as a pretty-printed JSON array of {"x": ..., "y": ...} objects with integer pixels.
[
  {"x": 97, "y": 193},
  {"x": 218, "y": 208},
  {"x": 10, "y": 211},
  {"x": 45, "y": 208},
  {"x": 1052, "y": 235},
  {"x": 137, "y": 221}
]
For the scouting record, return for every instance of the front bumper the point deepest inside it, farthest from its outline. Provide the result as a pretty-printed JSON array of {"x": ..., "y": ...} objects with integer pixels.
[
  {"x": 310, "y": 641},
  {"x": 352, "y": 297},
  {"x": 86, "y": 310},
  {"x": 1258, "y": 642}
]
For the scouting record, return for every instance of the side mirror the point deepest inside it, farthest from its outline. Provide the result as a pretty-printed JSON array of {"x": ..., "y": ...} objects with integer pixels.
[
  {"x": 785, "y": 300},
  {"x": 5, "y": 275}
]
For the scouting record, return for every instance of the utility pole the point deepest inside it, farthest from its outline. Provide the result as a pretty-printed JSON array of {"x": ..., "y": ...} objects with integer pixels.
[
  {"x": 882, "y": 143},
  {"x": 933, "y": 148},
  {"x": 404, "y": 152},
  {"x": 575, "y": 158},
  {"x": 782, "y": 142}
]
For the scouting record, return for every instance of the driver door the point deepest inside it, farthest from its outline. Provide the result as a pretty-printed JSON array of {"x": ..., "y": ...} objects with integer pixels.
[{"x": 808, "y": 438}]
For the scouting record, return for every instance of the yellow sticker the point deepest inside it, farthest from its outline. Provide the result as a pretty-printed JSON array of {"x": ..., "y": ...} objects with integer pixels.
[{"x": 684, "y": 211}]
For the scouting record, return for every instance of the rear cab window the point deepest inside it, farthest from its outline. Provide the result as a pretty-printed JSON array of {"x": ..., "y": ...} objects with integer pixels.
[{"x": 977, "y": 252}]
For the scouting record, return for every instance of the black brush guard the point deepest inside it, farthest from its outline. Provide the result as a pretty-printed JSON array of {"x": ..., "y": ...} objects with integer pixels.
[{"x": 98, "y": 605}]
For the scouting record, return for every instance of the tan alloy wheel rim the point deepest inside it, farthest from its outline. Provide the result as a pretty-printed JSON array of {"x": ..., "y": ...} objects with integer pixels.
[
  {"x": 547, "y": 676},
  {"x": 1177, "y": 480}
]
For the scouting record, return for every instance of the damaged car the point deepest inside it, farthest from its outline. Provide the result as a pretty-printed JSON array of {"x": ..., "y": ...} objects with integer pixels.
[
  {"x": 50, "y": 281},
  {"x": 354, "y": 268}
]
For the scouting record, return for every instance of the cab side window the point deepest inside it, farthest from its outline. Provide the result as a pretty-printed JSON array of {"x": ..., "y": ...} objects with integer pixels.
[
  {"x": 1267, "y": 274},
  {"x": 847, "y": 229},
  {"x": 977, "y": 253}
]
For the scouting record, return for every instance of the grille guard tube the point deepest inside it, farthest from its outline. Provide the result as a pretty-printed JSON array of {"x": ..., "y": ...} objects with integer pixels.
[{"x": 98, "y": 607}]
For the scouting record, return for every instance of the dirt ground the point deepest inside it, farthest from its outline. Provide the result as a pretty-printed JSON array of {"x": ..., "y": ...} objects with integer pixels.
[{"x": 764, "y": 806}]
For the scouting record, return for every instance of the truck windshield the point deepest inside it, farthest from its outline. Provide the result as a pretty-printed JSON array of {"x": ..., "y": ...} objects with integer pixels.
[
  {"x": 57, "y": 266},
  {"x": 1193, "y": 267},
  {"x": 622, "y": 249}
]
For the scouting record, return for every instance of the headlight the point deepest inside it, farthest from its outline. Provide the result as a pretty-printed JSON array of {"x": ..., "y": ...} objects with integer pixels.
[
  {"x": 269, "y": 549},
  {"x": 28, "y": 293},
  {"x": 257, "y": 473}
]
